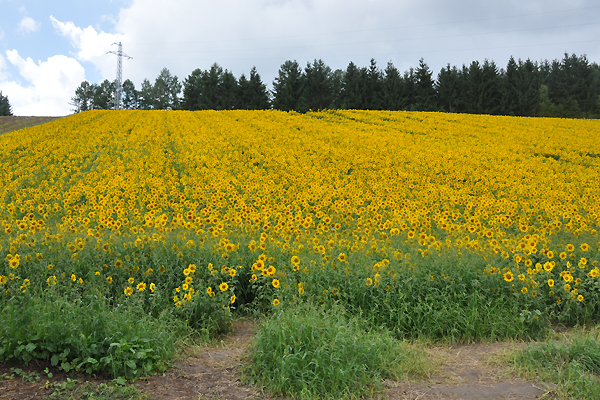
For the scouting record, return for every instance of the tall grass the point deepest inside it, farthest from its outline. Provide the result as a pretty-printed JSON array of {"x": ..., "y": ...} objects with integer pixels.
[{"x": 308, "y": 351}]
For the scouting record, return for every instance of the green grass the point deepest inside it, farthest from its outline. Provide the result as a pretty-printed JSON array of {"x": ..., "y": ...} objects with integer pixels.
[
  {"x": 572, "y": 363},
  {"x": 72, "y": 390},
  {"x": 84, "y": 334},
  {"x": 307, "y": 352}
]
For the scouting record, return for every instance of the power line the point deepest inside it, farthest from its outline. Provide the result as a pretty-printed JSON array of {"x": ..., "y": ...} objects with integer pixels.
[{"x": 119, "y": 82}]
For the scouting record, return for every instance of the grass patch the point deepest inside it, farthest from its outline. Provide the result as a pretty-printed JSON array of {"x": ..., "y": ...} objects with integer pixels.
[
  {"x": 72, "y": 390},
  {"x": 85, "y": 334},
  {"x": 307, "y": 352},
  {"x": 573, "y": 364}
]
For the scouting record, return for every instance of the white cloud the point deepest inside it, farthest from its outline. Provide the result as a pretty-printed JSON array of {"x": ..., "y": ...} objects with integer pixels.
[
  {"x": 3, "y": 75},
  {"x": 90, "y": 44},
  {"x": 49, "y": 88},
  {"x": 186, "y": 34},
  {"x": 29, "y": 25}
]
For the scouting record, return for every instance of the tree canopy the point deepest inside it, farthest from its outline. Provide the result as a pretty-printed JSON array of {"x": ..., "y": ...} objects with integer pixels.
[
  {"x": 5, "y": 107},
  {"x": 562, "y": 88}
]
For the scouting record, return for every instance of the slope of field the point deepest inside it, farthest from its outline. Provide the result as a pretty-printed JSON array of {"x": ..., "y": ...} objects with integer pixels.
[
  {"x": 9, "y": 124},
  {"x": 434, "y": 225}
]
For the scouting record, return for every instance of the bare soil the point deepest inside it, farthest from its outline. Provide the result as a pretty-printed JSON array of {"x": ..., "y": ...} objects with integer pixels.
[
  {"x": 9, "y": 124},
  {"x": 466, "y": 371},
  {"x": 471, "y": 371}
]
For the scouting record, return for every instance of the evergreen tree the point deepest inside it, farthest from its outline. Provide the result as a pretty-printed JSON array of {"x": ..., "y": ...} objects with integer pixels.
[
  {"x": 244, "y": 96},
  {"x": 337, "y": 78},
  {"x": 352, "y": 95},
  {"x": 146, "y": 96},
  {"x": 192, "y": 90},
  {"x": 166, "y": 91},
  {"x": 448, "y": 88},
  {"x": 424, "y": 89},
  {"x": 287, "y": 87},
  {"x": 258, "y": 94},
  {"x": 209, "y": 88},
  {"x": 520, "y": 88},
  {"x": 409, "y": 90},
  {"x": 129, "y": 95},
  {"x": 318, "y": 87},
  {"x": 392, "y": 88},
  {"x": 373, "y": 86},
  {"x": 104, "y": 95},
  {"x": 228, "y": 91},
  {"x": 5, "y": 107},
  {"x": 84, "y": 97},
  {"x": 490, "y": 94}
]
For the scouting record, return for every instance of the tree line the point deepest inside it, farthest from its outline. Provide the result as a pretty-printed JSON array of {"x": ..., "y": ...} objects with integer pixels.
[{"x": 562, "y": 88}]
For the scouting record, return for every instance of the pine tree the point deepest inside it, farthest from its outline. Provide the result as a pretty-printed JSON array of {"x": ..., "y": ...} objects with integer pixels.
[
  {"x": 392, "y": 88},
  {"x": 146, "y": 96},
  {"x": 448, "y": 89},
  {"x": 424, "y": 90},
  {"x": 373, "y": 86},
  {"x": 258, "y": 94},
  {"x": 104, "y": 95},
  {"x": 129, "y": 96},
  {"x": 352, "y": 95},
  {"x": 318, "y": 87},
  {"x": 287, "y": 87},
  {"x": 5, "y": 107},
  {"x": 192, "y": 90},
  {"x": 166, "y": 91}
]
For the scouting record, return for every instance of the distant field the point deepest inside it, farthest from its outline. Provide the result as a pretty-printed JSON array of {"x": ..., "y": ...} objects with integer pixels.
[{"x": 9, "y": 124}]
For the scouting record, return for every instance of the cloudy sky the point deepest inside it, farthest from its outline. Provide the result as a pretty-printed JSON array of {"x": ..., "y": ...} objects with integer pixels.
[{"x": 47, "y": 48}]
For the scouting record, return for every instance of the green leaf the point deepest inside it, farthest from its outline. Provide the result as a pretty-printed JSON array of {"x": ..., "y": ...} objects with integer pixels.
[
  {"x": 131, "y": 364},
  {"x": 120, "y": 380},
  {"x": 54, "y": 360},
  {"x": 148, "y": 367},
  {"x": 65, "y": 366},
  {"x": 30, "y": 347}
]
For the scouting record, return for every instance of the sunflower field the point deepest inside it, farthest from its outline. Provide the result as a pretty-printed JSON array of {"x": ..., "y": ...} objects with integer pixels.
[{"x": 453, "y": 227}]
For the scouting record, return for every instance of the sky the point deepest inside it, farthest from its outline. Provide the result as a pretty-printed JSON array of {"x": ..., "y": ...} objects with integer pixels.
[{"x": 47, "y": 48}]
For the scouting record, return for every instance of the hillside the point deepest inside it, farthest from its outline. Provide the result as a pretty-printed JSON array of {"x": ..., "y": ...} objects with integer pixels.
[{"x": 9, "y": 124}]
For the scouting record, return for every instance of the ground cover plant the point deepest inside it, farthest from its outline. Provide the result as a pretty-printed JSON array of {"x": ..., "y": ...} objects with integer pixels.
[
  {"x": 572, "y": 363},
  {"x": 432, "y": 226}
]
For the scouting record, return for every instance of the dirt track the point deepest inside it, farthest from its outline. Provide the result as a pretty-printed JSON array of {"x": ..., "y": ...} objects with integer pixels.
[{"x": 465, "y": 371}]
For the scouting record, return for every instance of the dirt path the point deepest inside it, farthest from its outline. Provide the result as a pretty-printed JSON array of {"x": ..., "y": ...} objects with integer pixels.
[
  {"x": 468, "y": 372},
  {"x": 212, "y": 373},
  {"x": 11, "y": 123}
]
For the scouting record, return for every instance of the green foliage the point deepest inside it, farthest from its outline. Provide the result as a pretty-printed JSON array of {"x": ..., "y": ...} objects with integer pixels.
[
  {"x": 310, "y": 352},
  {"x": 5, "y": 107},
  {"x": 72, "y": 389},
  {"x": 573, "y": 365},
  {"x": 448, "y": 299},
  {"x": 84, "y": 334}
]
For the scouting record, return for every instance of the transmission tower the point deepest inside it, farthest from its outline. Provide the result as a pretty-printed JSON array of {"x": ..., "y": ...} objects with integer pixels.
[{"x": 119, "y": 82}]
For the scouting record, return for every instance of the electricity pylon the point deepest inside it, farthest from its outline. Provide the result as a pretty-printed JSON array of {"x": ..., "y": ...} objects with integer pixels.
[{"x": 119, "y": 82}]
